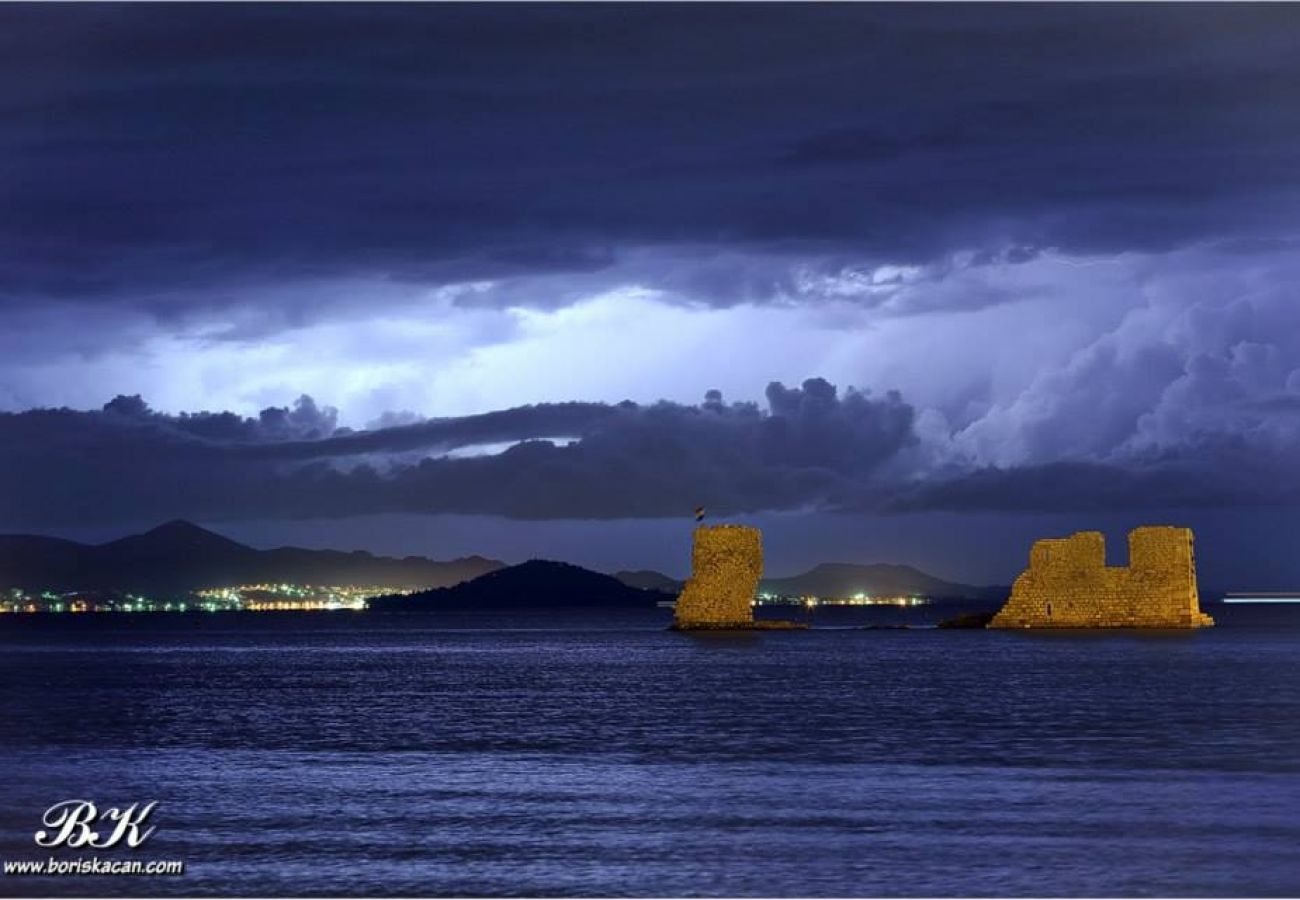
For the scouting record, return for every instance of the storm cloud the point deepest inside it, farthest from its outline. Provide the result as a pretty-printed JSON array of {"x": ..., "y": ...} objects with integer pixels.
[
  {"x": 170, "y": 157},
  {"x": 507, "y": 248},
  {"x": 622, "y": 461},
  {"x": 812, "y": 448}
]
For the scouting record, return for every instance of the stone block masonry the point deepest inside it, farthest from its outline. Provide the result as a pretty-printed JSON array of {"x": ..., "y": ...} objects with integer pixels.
[
  {"x": 1069, "y": 585},
  {"x": 726, "y": 565}
]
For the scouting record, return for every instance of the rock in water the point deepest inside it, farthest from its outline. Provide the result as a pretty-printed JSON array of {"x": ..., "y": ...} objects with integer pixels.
[
  {"x": 967, "y": 620},
  {"x": 726, "y": 565},
  {"x": 1069, "y": 585}
]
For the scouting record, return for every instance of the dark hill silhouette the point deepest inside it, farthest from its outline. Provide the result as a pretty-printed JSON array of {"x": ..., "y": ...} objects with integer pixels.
[
  {"x": 650, "y": 580},
  {"x": 882, "y": 579},
  {"x": 180, "y": 556},
  {"x": 176, "y": 536},
  {"x": 536, "y": 584}
]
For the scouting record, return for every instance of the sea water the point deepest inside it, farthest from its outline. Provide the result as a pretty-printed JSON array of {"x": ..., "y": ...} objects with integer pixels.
[{"x": 566, "y": 754}]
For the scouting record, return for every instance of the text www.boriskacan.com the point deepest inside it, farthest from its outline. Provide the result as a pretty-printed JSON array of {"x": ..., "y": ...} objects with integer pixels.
[{"x": 93, "y": 865}]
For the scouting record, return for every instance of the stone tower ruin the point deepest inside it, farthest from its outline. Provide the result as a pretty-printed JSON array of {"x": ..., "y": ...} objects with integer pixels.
[
  {"x": 726, "y": 565},
  {"x": 1069, "y": 585}
]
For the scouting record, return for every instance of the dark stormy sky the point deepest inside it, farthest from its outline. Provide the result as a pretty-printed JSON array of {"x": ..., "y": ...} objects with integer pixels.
[{"x": 911, "y": 283}]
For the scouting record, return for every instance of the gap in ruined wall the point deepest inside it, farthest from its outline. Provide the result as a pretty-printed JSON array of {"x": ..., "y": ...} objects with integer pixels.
[{"x": 1117, "y": 556}]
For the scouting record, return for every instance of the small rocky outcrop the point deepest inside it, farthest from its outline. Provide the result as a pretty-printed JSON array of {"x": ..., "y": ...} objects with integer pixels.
[{"x": 967, "y": 620}]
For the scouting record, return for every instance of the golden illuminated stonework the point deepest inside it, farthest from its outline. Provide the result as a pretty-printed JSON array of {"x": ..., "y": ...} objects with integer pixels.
[
  {"x": 726, "y": 565},
  {"x": 1069, "y": 585}
]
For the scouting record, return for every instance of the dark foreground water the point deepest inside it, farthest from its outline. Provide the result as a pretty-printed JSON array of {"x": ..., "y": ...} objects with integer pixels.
[{"x": 358, "y": 754}]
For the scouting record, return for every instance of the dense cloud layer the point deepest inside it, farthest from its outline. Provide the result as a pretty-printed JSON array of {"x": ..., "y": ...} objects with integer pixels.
[
  {"x": 61, "y": 466},
  {"x": 177, "y": 157},
  {"x": 812, "y": 448},
  {"x": 1065, "y": 234}
]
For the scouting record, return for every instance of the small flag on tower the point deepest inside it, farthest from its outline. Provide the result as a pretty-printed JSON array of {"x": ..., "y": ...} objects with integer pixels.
[{"x": 699, "y": 513}]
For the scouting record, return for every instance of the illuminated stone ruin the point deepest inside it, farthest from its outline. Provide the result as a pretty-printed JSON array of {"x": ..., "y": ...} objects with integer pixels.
[
  {"x": 1069, "y": 585},
  {"x": 726, "y": 564}
]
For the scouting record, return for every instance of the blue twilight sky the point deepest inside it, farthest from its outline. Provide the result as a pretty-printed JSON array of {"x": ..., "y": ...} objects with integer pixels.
[{"x": 913, "y": 283}]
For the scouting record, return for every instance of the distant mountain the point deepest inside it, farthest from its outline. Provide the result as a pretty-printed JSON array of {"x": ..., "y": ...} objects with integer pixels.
[
  {"x": 650, "y": 580},
  {"x": 180, "y": 556},
  {"x": 847, "y": 579},
  {"x": 536, "y": 584},
  {"x": 837, "y": 580}
]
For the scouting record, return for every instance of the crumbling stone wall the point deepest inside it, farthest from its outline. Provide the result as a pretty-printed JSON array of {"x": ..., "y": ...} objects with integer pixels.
[
  {"x": 1069, "y": 585},
  {"x": 726, "y": 565}
]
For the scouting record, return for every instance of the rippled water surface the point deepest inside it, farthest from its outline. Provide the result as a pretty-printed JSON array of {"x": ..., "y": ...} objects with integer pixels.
[{"x": 364, "y": 754}]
